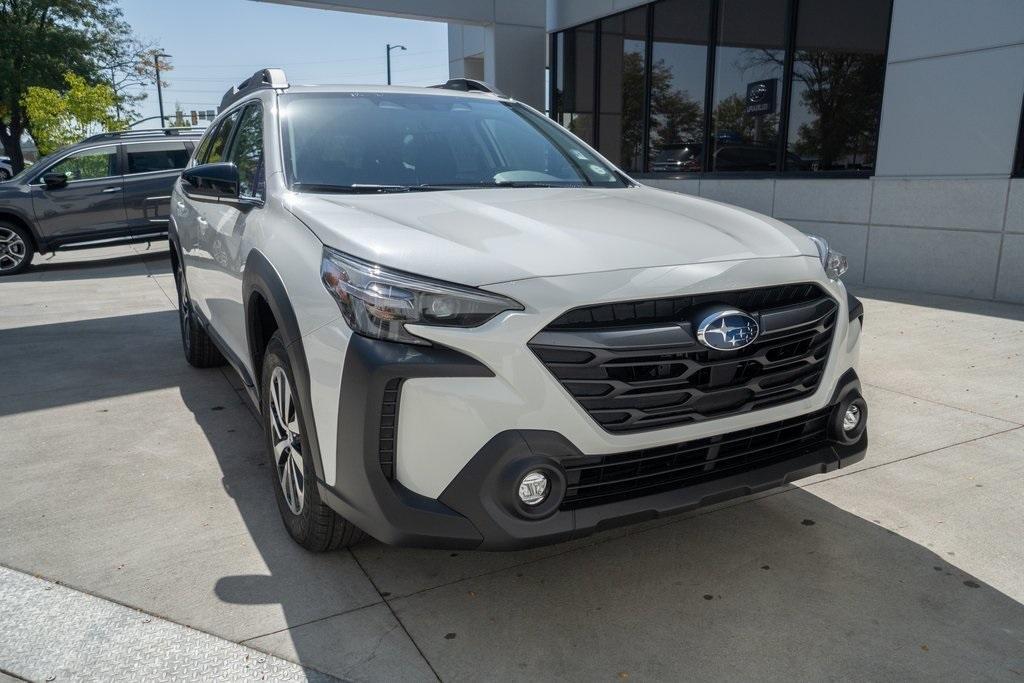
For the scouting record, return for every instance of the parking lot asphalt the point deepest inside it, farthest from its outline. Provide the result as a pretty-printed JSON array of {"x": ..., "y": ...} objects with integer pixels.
[{"x": 133, "y": 477}]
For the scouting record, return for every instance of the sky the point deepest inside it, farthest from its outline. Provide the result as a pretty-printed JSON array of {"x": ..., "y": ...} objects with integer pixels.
[{"x": 218, "y": 43}]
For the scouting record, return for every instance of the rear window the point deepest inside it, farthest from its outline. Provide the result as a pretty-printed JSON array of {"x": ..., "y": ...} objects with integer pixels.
[{"x": 156, "y": 156}]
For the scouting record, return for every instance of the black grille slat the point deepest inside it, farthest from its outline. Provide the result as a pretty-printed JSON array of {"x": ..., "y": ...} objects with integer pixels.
[
  {"x": 629, "y": 389},
  {"x": 388, "y": 432},
  {"x": 599, "y": 480}
]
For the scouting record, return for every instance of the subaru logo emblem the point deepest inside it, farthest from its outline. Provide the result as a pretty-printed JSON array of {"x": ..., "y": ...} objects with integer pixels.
[{"x": 727, "y": 330}]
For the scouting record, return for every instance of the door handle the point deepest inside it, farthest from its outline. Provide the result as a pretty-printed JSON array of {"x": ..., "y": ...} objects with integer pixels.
[{"x": 111, "y": 189}]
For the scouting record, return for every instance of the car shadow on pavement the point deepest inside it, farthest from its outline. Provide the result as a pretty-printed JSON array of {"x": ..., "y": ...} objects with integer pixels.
[{"x": 67, "y": 269}]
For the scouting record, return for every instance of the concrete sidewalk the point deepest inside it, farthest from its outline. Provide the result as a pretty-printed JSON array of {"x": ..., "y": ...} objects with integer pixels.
[{"x": 131, "y": 476}]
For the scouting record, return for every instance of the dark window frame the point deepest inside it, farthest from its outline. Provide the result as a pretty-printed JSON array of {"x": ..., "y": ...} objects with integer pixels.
[
  {"x": 792, "y": 14},
  {"x": 1018, "y": 159}
]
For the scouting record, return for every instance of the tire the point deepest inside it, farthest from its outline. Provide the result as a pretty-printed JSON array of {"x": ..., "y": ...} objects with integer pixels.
[
  {"x": 309, "y": 522},
  {"x": 4, "y": 175},
  {"x": 16, "y": 249},
  {"x": 200, "y": 351}
]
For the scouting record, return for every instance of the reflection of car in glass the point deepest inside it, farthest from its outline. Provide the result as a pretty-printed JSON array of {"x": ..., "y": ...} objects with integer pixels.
[
  {"x": 685, "y": 157},
  {"x": 6, "y": 170},
  {"x": 109, "y": 189},
  {"x": 464, "y": 328},
  {"x": 681, "y": 157}
]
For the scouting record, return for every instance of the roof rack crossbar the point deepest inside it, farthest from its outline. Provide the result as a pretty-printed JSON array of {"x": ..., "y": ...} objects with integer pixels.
[
  {"x": 264, "y": 78},
  {"x": 469, "y": 85},
  {"x": 122, "y": 134}
]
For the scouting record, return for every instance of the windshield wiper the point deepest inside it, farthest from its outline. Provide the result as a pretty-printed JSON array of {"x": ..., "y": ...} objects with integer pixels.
[{"x": 355, "y": 188}]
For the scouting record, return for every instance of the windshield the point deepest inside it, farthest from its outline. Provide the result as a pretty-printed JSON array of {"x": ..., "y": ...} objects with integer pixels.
[{"x": 380, "y": 142}]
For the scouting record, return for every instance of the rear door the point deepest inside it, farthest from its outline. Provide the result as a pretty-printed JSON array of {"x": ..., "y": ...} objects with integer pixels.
[
  {"x": 90, "y": 206},
  {"x": 150, "y": 171}
]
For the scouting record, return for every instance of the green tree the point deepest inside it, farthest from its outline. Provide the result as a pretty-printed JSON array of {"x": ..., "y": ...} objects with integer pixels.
[
  {"x": 40, "y": 41},
  {"x": 62, "y": 118}
]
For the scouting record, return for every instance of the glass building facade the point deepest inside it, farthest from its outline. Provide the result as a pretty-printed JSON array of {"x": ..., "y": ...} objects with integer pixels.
[{"x": 728, "y": 86}]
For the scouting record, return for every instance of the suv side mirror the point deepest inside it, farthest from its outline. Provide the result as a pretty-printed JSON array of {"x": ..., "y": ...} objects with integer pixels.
[
  {"x": 55, "y": 180},
  {"x": 214, "y": 181}
]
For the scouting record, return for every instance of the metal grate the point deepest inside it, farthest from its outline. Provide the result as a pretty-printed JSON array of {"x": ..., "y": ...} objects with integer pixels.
[
  {"x": 637, "y": 366},
  {"x": 598, "y": 480},
  {"x": 388, "y": 434}
]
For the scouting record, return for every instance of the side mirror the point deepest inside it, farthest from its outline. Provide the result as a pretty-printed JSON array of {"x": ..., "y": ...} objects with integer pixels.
[
  {"x": 214, "y": 181},
  {"x": 55, "y": 180}
]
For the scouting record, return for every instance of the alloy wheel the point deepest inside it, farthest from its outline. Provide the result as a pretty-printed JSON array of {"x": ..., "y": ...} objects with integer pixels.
[
  {"x": 287, "y": 440},
  {"x": 12, "y": 249}
]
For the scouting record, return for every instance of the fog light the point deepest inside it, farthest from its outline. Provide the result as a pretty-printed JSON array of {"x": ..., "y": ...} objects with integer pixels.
[
  {"x": 851, "y": 418},
  {"x": 533, "y": 488}
]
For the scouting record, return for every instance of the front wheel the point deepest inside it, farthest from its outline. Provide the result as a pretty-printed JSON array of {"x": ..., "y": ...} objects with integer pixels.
[
  {"x": 15, "y": 249},
  {"x": 199, "y": 349},
  {"x": 309, "y": 521}
]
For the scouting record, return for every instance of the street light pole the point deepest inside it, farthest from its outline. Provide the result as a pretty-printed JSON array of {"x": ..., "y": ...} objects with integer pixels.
[
  {"x": 159, "y": 90},
  {"x": 391, "y": 47}
]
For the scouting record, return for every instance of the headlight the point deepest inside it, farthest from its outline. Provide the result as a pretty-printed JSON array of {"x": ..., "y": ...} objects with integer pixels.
[
  {"x": 833, "y": 262},
  {"x": 379, "y": 303}
]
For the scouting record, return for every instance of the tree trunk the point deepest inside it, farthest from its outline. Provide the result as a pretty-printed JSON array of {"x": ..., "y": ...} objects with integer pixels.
[{"x": 10, "y": 136}]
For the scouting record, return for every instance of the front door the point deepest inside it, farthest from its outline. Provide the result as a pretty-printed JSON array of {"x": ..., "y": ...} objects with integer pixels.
[{"x": 91, "y": 204}]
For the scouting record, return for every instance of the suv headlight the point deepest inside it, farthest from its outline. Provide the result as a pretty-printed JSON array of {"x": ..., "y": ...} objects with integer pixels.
[
  {"x": 379, "y": 303},
  {"x": 833, "y": 262}
]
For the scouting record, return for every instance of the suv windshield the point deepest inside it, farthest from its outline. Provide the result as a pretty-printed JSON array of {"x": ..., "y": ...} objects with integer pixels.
[{"x": 379, "y": 142}]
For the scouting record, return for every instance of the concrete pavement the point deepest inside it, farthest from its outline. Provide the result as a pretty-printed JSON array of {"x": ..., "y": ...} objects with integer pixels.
[{"x": 135, "y": 478}]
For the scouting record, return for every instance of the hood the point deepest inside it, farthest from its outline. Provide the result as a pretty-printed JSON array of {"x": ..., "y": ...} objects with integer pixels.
[{"x": 485, "y": 236}]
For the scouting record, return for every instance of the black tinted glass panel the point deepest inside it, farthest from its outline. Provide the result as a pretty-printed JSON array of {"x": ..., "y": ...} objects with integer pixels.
[
  {"x": 678, "y": 74},
  {"x": 838, "y": 74},
  {"x": 247, "y": 152},
  {"x": 623, "y": 55},
  {"x": 574, "y": 80},
  {"x": 157, "y": 156},
  {"x": 748, "y": 84},
  {"x": 221, "y": 136}
]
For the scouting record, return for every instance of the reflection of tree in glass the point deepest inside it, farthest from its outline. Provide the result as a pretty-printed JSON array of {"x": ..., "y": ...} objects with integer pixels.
[
  {"x": 731, "y": 119},
  {"x": 842, "y": 90},
  {"x": 675, "y": 116},
  {"x": 85, "y": 166}
]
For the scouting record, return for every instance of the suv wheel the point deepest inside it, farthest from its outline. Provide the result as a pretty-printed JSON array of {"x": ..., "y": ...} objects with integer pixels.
[
  {"x": 199, "y": 349},
  {"x": 312, "y": 524},
  {"x": 4, "y": 175},
  {"x": 15, "y": 249}
]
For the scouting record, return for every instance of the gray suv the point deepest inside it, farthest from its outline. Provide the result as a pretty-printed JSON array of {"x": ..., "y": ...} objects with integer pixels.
[{"x": 112, "y": 188}]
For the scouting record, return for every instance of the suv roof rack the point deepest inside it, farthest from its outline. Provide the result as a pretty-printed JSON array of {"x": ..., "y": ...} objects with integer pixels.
[
  {"x": 469, "y": 85},
  {"x": 264, "y": 78},
  {"x": 122, "y": 134}
]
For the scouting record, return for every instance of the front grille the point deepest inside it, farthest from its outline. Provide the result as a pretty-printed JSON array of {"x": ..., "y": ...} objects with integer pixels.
[
  {"x": 636, "y": 365},
  {"x": 598, "y": 480}
]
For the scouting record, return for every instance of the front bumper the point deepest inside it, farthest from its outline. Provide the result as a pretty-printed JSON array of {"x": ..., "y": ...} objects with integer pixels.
[{"x": 477, "y": 509}]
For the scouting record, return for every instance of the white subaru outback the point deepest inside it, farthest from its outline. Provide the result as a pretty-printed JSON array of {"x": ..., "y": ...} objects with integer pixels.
[{"x": 464, "y": 328}]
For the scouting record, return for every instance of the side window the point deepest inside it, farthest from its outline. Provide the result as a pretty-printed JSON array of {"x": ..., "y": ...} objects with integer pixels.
[
  {"x": 247, "y": 152},
  {"x": 219, "y": 139},
  {"x": 156, "y": 156},
  {"x": 99, "y": 162}
]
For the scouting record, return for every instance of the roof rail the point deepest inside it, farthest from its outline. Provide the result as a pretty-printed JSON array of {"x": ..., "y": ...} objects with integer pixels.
[
  {"x": 469, "y": 85},
  {"x": 122, "y": 134},
  {"x": 264, "y": 78}
]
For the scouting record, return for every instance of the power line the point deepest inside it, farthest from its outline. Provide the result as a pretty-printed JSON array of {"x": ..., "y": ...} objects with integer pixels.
[{"x": 324, "y": 61}]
